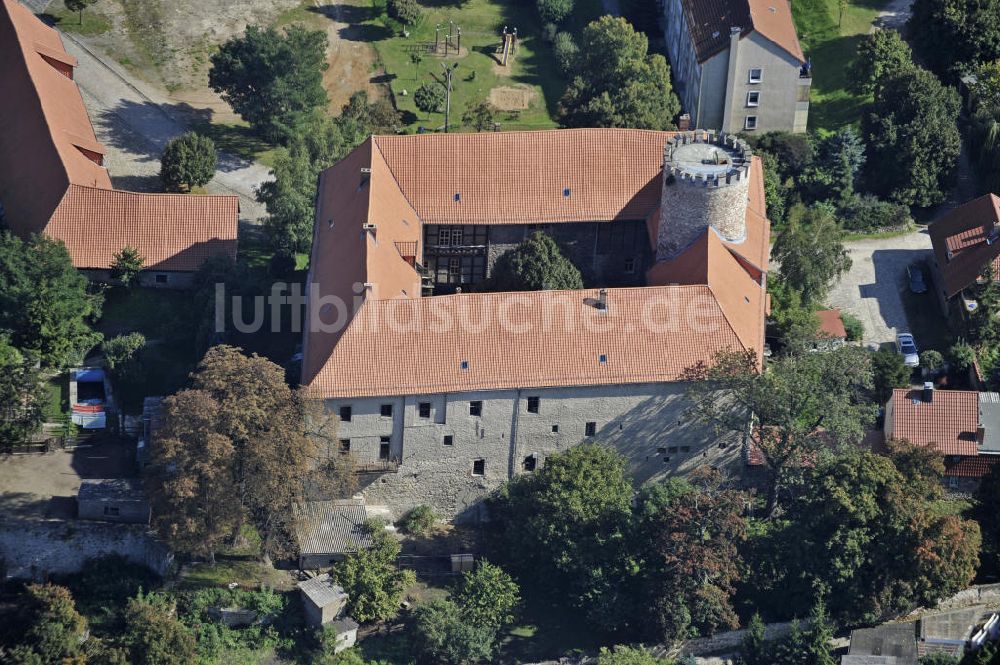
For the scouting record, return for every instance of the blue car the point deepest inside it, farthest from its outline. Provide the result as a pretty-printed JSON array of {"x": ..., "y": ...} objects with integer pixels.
[{"x": 916, "y": 276}]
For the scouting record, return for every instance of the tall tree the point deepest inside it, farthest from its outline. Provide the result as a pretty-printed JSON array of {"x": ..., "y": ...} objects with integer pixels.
[
  {"x": 188, "y": 161},
  {"x": 443, "y": 635},
  {"x": 44, "y": 301},
  {"x": 190, "y": 479},
  {"x": 688, "y": 573},
  {"x": 955, "y": 35},
  {"x": 78, "y": 6},
  {"x": 154, "y": 634},
  {"x": 52, "y": 630},
  {"x": 800, "y": 405},
  {"x": 534, "y": 265},
  {"x": 273, "y": 80},
  {"x": 617, "y": 82},
  {"x": 488, "y": 596},
  {"x": 563, "y": 531},
  {"x": 22, "y": 396},
  {"x": 263, "y": 419},
  {"x": 889, "y": 371},
  {"x": 811, "y": 253},
  {"x": 881, "y": 56},
  {"x": 126, "y": 266},
  {"x": 371, "y": 579},
  {"x": 913, "y": 140}
]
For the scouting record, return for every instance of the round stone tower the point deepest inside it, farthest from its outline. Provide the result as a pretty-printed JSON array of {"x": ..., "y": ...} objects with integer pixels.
[{"x": 706, "y": 182}]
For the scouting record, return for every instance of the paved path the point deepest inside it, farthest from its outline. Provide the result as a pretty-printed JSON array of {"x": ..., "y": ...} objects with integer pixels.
[
  {"x": 872, "y": 289},
  {"x": 894, "y": 16},
  {"x": 134, "y": 122}
]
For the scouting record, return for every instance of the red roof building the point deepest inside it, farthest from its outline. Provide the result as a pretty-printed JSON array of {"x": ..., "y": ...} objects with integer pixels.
[
  {"x": 52, "y": 178},
  {"x": 965, "y": 241}
]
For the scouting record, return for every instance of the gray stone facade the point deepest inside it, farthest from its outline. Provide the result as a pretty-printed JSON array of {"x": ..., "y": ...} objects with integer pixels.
[{"x": 453, "y": 458}]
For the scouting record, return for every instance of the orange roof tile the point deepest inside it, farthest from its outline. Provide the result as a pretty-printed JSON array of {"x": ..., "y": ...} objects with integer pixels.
[
  {"x": 710, "y": 22},
  {"x": 528, "y": 339},
  {"x": 948, "y": 423},
  {"x": 611, "y": 173},
  {"x": 773, "y": 20},
  {"x": 501, "y": 178},
  {"x": 830, "y": 324},
  {"x": 970, "y": 467},
  {"x": 51, "y": 178},
  {"x": 963, "y": 233},
  {"x": 171, "y": 231}
]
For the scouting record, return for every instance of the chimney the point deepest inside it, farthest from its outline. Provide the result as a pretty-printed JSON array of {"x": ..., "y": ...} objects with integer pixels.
[
  {"x": 928, "y": 392},
  {"x": 684, "y": 122},
  {"x": 602, "y": 300}
]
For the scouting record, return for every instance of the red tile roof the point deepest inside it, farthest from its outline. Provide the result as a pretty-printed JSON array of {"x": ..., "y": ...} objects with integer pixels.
[
  {"x": 710, "y": 22},
  {"x": 970, "y": 467},
  {"x": 830, "y": 324},
  {"x": 610, "y": 173},
  {"x": 948, "y": 423},
  {"x": 51, "y": 178},
  {"x": 960, "y": 242},
  {"x": 171, "y": 231}
]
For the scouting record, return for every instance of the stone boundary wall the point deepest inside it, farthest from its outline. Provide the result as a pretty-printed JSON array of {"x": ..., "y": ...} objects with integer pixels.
[{"x": 35, "y": 549}]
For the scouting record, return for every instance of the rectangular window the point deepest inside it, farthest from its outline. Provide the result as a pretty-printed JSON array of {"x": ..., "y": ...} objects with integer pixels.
[
  {"x": 672, "y": 450},
  {"x": 111, "y": 510},
  {"x": 685, "y": 449},
  {"x": 530, "y": 462},
  {"x": 160, "y": 278},
  {"x": 753, "y": 98},
  {"x": 386, "y": 411},
  {"x": 952, "y": 483},
  {"x": 449, "y": 440},
  {"x": 533, "y": 404},
  {"x": 591, "y": 429},
  {"x": 756, "y": 75},
  {"x": 479, "y": 467},
  {"x": 555, "y": 429},
  {"x": 345, "y": 414},
  {"x": 751, "y": 122},
  {"x": 425, "y": 409},
  {"x": 345, "y": 446},
  {"x": 476, "y": 408},
  {"x": 383, "y": 448},
  {"x": 629, "y": 266}
]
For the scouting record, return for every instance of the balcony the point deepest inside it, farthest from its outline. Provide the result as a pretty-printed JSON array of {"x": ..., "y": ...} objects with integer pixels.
[{"x": 376, "y": 466}]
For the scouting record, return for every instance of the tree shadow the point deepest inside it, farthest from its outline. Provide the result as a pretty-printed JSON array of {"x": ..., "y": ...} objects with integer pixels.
[
  {"x": 138, "y": 183},
  {"x": 357, "y": 29}
]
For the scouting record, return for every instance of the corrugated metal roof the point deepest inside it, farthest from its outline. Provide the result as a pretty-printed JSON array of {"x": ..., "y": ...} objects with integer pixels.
[
  {"x": 322, "y": 590},
  {"x": 333, "y": 527},
  {"x": 111, "y": 489}
]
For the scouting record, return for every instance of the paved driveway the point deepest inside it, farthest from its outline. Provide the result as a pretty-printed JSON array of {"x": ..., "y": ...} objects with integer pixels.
[{"x": 872, "y": 289}]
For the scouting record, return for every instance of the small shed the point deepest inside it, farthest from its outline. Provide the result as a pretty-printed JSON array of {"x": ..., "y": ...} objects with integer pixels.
[
  {"x": 113, "y": 500},
  {"x": 324, "y": 601},
  {"x": 346, "y": 631},
  {"x": 832, "y": 333},
  {"x": 328, "y": 530}
]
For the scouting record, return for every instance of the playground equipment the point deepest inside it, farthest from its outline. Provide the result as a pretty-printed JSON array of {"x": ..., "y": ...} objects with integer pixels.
[
  {"x": 452, "y": 41},
  {"x": 508, "y": 47}
]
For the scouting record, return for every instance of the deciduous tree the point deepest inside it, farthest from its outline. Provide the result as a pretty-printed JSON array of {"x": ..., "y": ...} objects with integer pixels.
[
  {"x": 488, "y": 596},
  {"x": 78, "y": 6},
  {"x": 126, "y": 266},
  {"x": 955, "y": 35},
  {"x": 811, "y": 253},
  {"x": 188, "y": 161},
  {"x": 154, "y": 634},
  {"x": 801, "y": 404},
  {"x": 53, "y": 631},
  {"x": 889, "y": 371},
  {"x": 371, "y": 579},
  {"x": 429, "y": 97},
  {"x": 534, "y": 265},
  {"x": 274, "y": 80},
  {"x": 913, "y": 140},
  {"x": 443, "y": 635},
  {"x": 881, "y": 56},
  {"x": 22, "y": 396},
  {"x": 617, "y": 83},
  {"x": 481, "y": 116}
]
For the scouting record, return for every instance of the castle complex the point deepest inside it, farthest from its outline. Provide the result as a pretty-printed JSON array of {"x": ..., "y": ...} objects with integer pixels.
[{"x": 443, "y": 392}]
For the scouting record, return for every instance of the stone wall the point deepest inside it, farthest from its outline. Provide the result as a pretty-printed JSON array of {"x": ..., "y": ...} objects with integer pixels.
[
  {"x": 647, "y": 423},
  {"x": 34, "y": 549}
]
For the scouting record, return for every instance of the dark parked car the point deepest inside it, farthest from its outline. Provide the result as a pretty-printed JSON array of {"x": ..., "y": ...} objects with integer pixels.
[{"x": 916, "y": 276}]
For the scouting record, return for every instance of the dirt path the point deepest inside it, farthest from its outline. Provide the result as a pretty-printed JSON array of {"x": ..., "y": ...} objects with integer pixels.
[
  {"x": 351, "y": 60},
  {"x": 135, "y": 121},
  {"x": 894, "y": 16}
]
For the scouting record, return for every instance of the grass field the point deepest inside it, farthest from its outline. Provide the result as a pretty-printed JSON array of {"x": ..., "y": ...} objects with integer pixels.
[
  {"x": 94, "y": 21},
  {"x": 832, "y": 45},
  {"x": 409, "y": 61}
]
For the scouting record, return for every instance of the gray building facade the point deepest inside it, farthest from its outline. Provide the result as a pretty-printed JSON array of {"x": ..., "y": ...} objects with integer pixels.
[{"x": 452, "y": 450}]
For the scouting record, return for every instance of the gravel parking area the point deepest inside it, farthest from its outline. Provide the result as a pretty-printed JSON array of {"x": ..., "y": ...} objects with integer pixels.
[{"x": 872, "y": 289}]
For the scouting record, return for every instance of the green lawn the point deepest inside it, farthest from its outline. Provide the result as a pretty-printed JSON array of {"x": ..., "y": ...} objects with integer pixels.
[
  {"x": 57, "y": 397},
  {"x": 408, "y": 64},
  {"x": 94, "y": 21},
  {"x": 832, "y": 46},
  {"x": 239, "y": 140}
]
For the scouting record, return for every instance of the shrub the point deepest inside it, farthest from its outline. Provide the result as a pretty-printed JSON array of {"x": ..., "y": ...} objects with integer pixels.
[
  {"x": 854, "y": 327},
  {"x": 121, "y": 351},
  {"x": 962, "y": 355},
  {"x": 869, "y": 213},
  {"x": 554, "y": 11},
  {"x": 188, "y": 161},
  {"x": 282, "y": 264},
  {"x": 429, "y": 97},
  {"x": 126, "y": 266},
  {"x": 404, "y": 11},
  {"x": 565, "y": 51},
  {"x": 417, "y": 521},
  {"x": 932, "y": 360}
]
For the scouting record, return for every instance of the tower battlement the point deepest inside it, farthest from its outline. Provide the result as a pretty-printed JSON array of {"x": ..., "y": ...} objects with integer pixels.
[{"x": 706, "y": 183}]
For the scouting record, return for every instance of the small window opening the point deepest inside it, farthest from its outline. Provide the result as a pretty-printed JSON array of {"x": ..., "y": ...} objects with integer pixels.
[{"x": 479, "y": 467}]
